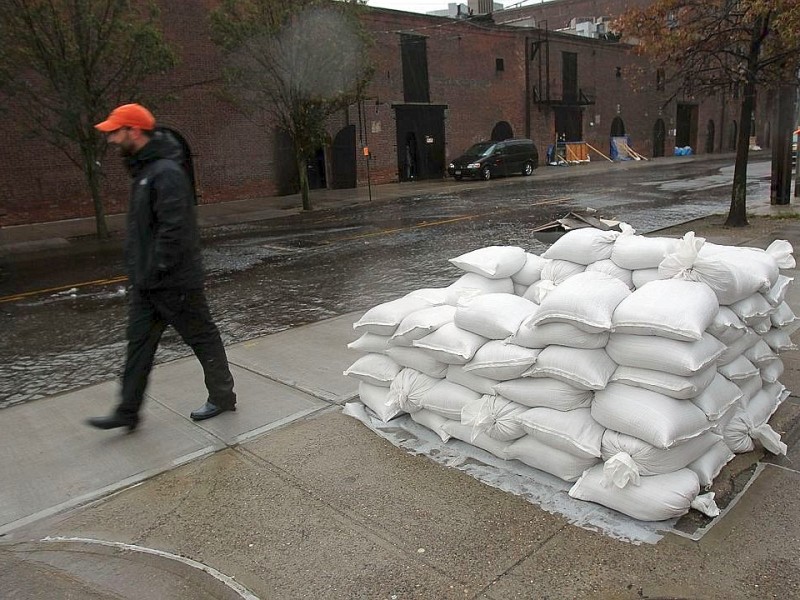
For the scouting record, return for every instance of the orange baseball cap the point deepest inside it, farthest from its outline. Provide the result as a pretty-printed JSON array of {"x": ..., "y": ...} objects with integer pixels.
[{"x": 128, "y": 115}]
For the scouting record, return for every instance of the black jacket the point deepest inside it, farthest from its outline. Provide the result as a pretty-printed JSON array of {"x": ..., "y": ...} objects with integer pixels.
[{"x": 162, "y": 247}]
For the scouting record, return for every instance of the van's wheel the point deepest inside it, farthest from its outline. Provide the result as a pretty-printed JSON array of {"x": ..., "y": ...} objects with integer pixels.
[
  {"x": 486, "y": 173},
  {"x": 527, "y": 169},
  {"x": 457, "y": 177}
]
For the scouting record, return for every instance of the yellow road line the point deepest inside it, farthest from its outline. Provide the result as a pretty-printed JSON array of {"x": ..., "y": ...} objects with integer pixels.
[{"x": 61, "y": 288}]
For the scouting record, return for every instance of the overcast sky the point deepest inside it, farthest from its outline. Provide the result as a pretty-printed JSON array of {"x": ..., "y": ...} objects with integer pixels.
[{"x": 423, "y": 6}]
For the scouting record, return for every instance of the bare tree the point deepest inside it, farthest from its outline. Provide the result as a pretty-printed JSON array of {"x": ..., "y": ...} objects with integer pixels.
[
  {"x": 66, "y": 63},
  {"x": 293, "y": 65},
  {"x": 721, "y": 45}
]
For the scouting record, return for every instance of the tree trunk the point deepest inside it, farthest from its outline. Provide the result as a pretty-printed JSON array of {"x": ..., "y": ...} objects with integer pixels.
[
  {"x": 781, "y": 183},
  {"x": 737, "y": 217},
  {"x": 92, "y": 172},
  {"x": 302, "y": 172}
]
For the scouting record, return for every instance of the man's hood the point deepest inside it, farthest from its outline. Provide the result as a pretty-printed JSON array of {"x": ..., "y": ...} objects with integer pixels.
[{"x": 162, "y": 145}]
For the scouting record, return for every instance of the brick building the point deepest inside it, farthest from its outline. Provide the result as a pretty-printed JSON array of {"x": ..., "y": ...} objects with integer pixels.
[{"x": 440, "y": 84}]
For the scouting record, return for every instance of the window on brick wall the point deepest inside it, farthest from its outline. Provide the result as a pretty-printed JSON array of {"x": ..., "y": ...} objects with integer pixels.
[
  {"x": 499, "y": 65},
  {"x": 660, "y": 78},
  {"x": 414, "y": 56}
]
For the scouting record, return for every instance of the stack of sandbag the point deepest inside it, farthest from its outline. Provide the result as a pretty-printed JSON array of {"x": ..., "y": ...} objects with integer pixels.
[{"x": 598, "y": 361}]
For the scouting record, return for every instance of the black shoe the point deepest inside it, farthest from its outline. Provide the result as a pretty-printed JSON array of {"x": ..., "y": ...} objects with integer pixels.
[
  {"x": 209, "y": 410},
  {"x": 112, "y": 422}
]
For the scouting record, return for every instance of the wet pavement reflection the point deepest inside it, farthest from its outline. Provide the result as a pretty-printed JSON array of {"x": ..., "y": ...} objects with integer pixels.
[{"x": 268, "y": 276}]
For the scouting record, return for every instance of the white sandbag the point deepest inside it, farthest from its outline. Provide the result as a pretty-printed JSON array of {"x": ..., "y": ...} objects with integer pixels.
[
  {"x": 761, "y": 325},
  {"x": 432, "y": 421},
  {"x": 779, "y": 340},
  {"x": 418, "y": 359},
  {"x": 648, "y": 459},
  {"x": 753, "y": 307},
  {"x": 447, "y": 399},
  {"x": 501, "y": 361},
  {"x": 738, "y": 368},
  {"x": 720, "y": 424},
  {"x": 483, "y": 441},
  {"x": 709, "y": 465},
  {"x": 772, "y": 371},
  {"x": 538, "y": 455},
  {"x": 494, "y": 262},
  {"x": 433, "y": 296},
  {"x": 586, "y": 300},
  {"x": 664, "y": 354},
  {"x": 376, "y": 398},
  {"x": 409, "y": 389},
  {"x": 558, "y": 271},
  {"x": 643, "y": 276},
  {"x": 531, "y": 271},
  {"x": 583, "y": 246},
  {"x": 727, "y": 327},
  {"x": 760, "y": 354},
  {"x": 544, "y": 391},
  {"x": 609, "y": 267},
  {"x": 738, "y": 347},
  {"x": 495, "y": 416},
  {"x": 557, "y": 334},
  {"x": 450, "y": 344},
  {"x": 585, "y": 369},
  {"x": 749, "y": 387},
  {"x": 384, "y": 318},
  {"x": 718, "y": 397},
  {"x": 494, "y": 316},
  {"x": 733, "y": 273},
  {"x": 377, "y": 369},
  {"x": 370, "y": 342},
  {"x": 672, "y": 308},
  {"x": 783, "y": 315},
  {"x": 681, "y": 387},
  {"x": 482, "y": 385},
  {"x": 637, "y": 252},
  {"x": 750, "y": 423},
  {"x": 655, "y": 418},
  {"x": 573, "y": 431},
  {"x": 520, "y": 289},
  {"x": 420, "y": 323},
  {"x": 470, "y": 285},
  {"x": 782, "y": 252},
  {"x": 777, "y": 390},
  {"x": 777, "y": 293},
  {"x": 656, "y": 498},
  {"x": 539, "y": 290}
]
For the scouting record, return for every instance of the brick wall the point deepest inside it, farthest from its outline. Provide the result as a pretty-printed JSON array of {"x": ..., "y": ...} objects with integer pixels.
[{"x": 236, "y": 158}]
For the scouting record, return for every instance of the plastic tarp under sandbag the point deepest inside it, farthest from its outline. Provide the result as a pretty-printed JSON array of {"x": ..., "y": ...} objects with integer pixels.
[{"x": 537, "y": 487}]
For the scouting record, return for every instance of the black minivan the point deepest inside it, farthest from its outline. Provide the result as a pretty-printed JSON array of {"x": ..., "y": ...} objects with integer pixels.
[{"x": 485, "y": 160}]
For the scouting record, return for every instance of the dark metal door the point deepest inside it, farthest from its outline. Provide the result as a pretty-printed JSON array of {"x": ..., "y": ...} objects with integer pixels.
[
  {"x": 343, "y": 159},
  {"x": 420, "y": 141}
]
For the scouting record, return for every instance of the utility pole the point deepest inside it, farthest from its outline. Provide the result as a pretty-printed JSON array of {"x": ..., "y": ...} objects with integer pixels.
[{"x": 781, "y": 145}]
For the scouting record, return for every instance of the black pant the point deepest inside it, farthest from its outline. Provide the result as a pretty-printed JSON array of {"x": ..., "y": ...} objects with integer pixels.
[{"x": 149, "y": 313}]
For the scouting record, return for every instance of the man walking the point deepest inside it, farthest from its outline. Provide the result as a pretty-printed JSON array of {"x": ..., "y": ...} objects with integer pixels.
[{"x": 162, "y": 254}]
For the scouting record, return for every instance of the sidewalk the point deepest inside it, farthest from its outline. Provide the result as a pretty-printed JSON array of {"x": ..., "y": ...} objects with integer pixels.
[{"x": 288, "y": 498}]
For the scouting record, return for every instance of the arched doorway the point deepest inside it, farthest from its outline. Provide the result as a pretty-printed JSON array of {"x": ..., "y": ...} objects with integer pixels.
[
  {"x": 617, "y": 127},
  {"x": 710, "y": 136},
  {"x": 659, "y": 137},
  {"x": 186, "y": 157},
  {"x": 502, "y": 131}
]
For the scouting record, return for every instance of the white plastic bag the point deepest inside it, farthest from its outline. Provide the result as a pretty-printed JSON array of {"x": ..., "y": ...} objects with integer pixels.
[
  {"x": 586, "y": 300},
  {"x": 495, "y": 416},
  {"x": 409, "y": 388},
  {"x": 494, "y": 316},
  {"x": 531, "y": 272},
  {"x": 539, "y": 455},
  {"x": 420, "y": 323},
  {"x": 585, "y": 369},
  {"x": 377, "y": 369},
  {"x": 482, "y": 385},
  {"x": 501, "y": 361},
  {"x": 544, "y": 391},
  {"x": 664, "y": 354},
  {"x": 574, "y": 431},
  {"x": 558, "y": 271},
  {"x": 447, "y": 399},
  {"x": 377, "y": 399},
  {"x": 557, "y": 334},
  {"x": 418, "y": 359},
  {"x": 650, "y": 460},
  {"x": 656, "y": 498},
  {"x": 655, "y": 418},
  {"x": 470, "y": 285},
  {"x": 383, "y": 319},
  {"x": 494, "y": 262},
  {"x": 609, "y": 267},
  {"x": 583, "y": 246},
  {"x": 450, "y": 344},
  {"x": 681, "y": 387},
  {"x": 718, "y": 397}
]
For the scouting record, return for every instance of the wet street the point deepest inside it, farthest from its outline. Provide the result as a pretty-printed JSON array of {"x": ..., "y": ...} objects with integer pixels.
[{"x": 62, "y": 312}]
